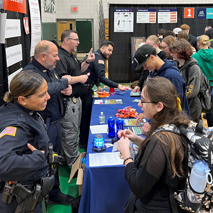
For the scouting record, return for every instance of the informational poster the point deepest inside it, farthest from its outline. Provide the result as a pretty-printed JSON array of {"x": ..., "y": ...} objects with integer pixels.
[
  {"x": 167, "y": 16},
  {"x": 189, "y": 12},
  {"x": 1, "y": 4},
  {"x": 201, "y": 13},
  {"x": 3, "y": 17},
  {"x": 12, "y": 28},
  {"x": 49, "y": 6},
  {"x": 15, "y": 5},
  {"x": 146, "y": 15},
  {"x": 123, "y": 20},
  {"x": 136, "y": 42},
  {"x": 209, "y": 13},
  {"x": 14, "y": 54},
  {"x": 35, "y": 24}
]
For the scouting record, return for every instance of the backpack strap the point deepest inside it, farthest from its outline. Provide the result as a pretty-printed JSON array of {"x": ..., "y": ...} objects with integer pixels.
[{"x": 188, "y": 68}]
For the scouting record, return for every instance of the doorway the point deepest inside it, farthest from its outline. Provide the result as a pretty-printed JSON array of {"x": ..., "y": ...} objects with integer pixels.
[{"x": 62, "y": 25}]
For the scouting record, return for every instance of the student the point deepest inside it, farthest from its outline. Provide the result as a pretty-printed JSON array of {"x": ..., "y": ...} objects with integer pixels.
[
  {"x": 148, "y": 174},
  {"x": 204, "y": 58},
  {"x": 181, "y": 51},
  {"x": 147, "y": 58},
  {"x": 153, "y": 41}
]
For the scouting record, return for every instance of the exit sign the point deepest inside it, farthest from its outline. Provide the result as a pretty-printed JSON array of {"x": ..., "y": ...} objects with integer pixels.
[{"x": 75, "y": 9}]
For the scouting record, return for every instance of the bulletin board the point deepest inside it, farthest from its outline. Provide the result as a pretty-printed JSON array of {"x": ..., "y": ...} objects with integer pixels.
[{"x": 120, "y": 62}]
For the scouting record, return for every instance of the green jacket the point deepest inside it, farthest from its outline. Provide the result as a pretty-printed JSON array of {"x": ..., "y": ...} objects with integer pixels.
[{"x": 204, "y": 58}]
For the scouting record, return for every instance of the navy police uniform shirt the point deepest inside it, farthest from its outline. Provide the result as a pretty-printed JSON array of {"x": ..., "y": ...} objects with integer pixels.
[
  {"x": 97, "y": 71},
  {"x": 17, "y": 128},
  {"x": 54, "y": 108}
]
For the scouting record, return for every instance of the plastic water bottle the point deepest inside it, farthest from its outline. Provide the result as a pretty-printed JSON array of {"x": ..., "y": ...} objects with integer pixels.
[
  {"x": 119, "y": 125},
  {"x": 111, "y": 127},
  {"x": 101, "y": 118},
  {"x": 200, "y": 176}
]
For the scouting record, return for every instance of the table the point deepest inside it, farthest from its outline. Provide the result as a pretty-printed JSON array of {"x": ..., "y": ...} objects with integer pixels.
[{"x": 105, "y": 189}]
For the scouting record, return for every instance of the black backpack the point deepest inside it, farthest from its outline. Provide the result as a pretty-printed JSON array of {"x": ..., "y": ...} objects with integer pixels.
[
  {"x": 199, "y": 143},
  {"x": 205, "y": 89}
]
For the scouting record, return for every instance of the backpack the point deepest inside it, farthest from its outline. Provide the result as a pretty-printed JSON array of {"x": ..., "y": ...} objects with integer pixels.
[
  {"x": 205, "y": 89},
  {"x": 198, "y": 141}
]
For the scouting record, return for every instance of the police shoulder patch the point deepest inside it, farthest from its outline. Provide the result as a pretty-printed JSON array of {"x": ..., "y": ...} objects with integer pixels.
[
  {"x": 101, "y": 62},
  {"x": 10, "y": 130}
]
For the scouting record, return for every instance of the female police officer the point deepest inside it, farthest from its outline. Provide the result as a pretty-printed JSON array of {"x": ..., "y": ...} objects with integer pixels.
[{"x": 23, "y": 138}]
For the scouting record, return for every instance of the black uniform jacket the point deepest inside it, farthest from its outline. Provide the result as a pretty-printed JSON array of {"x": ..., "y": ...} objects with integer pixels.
[{"x": 17, "y": 161}]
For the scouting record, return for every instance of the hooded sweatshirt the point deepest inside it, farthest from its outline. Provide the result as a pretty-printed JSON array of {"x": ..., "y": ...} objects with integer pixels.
[
  {"x": 171, "y": 72},
  {"x": 204, "y": 58}
]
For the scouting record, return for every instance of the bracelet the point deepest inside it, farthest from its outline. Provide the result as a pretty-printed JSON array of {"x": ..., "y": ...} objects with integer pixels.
[
  {"x": 87, "y": 62},
  {"x": 127, "y": 159}
]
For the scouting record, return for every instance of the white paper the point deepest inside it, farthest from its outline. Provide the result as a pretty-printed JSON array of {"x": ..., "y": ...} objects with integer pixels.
[
  {"x": 35, "y": 21},
  {"x": 99, "y": 101},
  {"x": 114, "y": 149},
  {"x": 3, "y": 17},
  {"x": 97, "y": 129},
  {"x": 105, "y": 159},
  {"x": 10, "y": 77},
  {"x": 12, "y": 28},
  {"x": 123, "y": 20},
  {"x": 13, "y": 54}
]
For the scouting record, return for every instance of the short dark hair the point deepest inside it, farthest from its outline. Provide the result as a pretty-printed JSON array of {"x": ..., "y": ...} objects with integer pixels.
[
  {"x": 106, "y": 44},
  {"x": 162, "y": 32},
  {"x": 66, "y": 34},
  {"x": 169, "y": 32}
]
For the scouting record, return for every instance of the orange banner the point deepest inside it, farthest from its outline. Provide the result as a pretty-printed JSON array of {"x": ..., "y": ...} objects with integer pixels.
[{"x": 16, "y": 6}]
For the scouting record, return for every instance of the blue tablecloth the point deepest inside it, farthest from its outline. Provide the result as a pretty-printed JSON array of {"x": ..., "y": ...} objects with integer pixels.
[{"x": 105, "y": 189}]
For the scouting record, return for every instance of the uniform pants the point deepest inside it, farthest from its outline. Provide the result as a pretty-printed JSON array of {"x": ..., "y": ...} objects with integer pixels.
[
  {"x": 85, "y": 119},
  {"x": 10, "y": 208},
  {"x": 70, "y": 125},
  {"x": 54, "y": 133}
]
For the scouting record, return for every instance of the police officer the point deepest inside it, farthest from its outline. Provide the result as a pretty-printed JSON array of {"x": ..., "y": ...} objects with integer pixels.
[
  {"x": 23, "y": 137},
  {"x": 79, "y": 101},
  {"x": 97, "y": 72},
  {"x": 43, "y": 63}
]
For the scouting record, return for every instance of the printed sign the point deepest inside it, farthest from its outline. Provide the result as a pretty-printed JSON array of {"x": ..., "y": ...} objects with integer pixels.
[
  {"x": 146, "y": 16},
  {"x": 201, "y": 13},
  {"x": 189, "y": 12},
  {"x": 35, "y": 24},
  {"x": 16, "y": 6},
  {"x": 12, "y": 28},
  {"x": 26, "y": 25},
  {"x": 209, "y": 13},
  {"x": 123, "y": 20},
  {"x": 13, "y": 54},
  {"x": 167, "y": 16}
]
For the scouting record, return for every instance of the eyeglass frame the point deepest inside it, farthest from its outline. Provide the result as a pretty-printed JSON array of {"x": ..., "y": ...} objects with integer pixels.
[
  {"x": 151, "y": 102},
  {"x": 164, "y": 47},
  {"x": 75, "y": 39}
]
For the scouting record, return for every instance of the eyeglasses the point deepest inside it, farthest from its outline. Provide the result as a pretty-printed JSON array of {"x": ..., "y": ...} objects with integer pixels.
[
  {"x": 75, "y": 39},
  {"x": 164, "y": 47},
  {"x": 151, "y": 102}
]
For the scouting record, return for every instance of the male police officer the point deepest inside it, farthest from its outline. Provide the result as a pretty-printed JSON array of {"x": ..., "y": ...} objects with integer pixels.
[
  {"x": 43, "y": 63},
  {"x": 78, "y": 101},
  {"x": 97, "y": 72}
]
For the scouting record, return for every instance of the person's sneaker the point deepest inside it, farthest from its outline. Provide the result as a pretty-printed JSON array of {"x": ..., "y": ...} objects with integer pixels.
[
  {"x": 61, "y": 199},
  {"x": 75, "y": 204}
]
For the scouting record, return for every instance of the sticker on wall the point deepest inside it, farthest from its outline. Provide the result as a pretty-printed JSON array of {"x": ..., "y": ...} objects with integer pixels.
[
  {"x": 201, "y": 13},
  {"x": 189, "y": 12},
  {"x": 123, "y": 20},
  {"x": 209, "y": 13}
]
